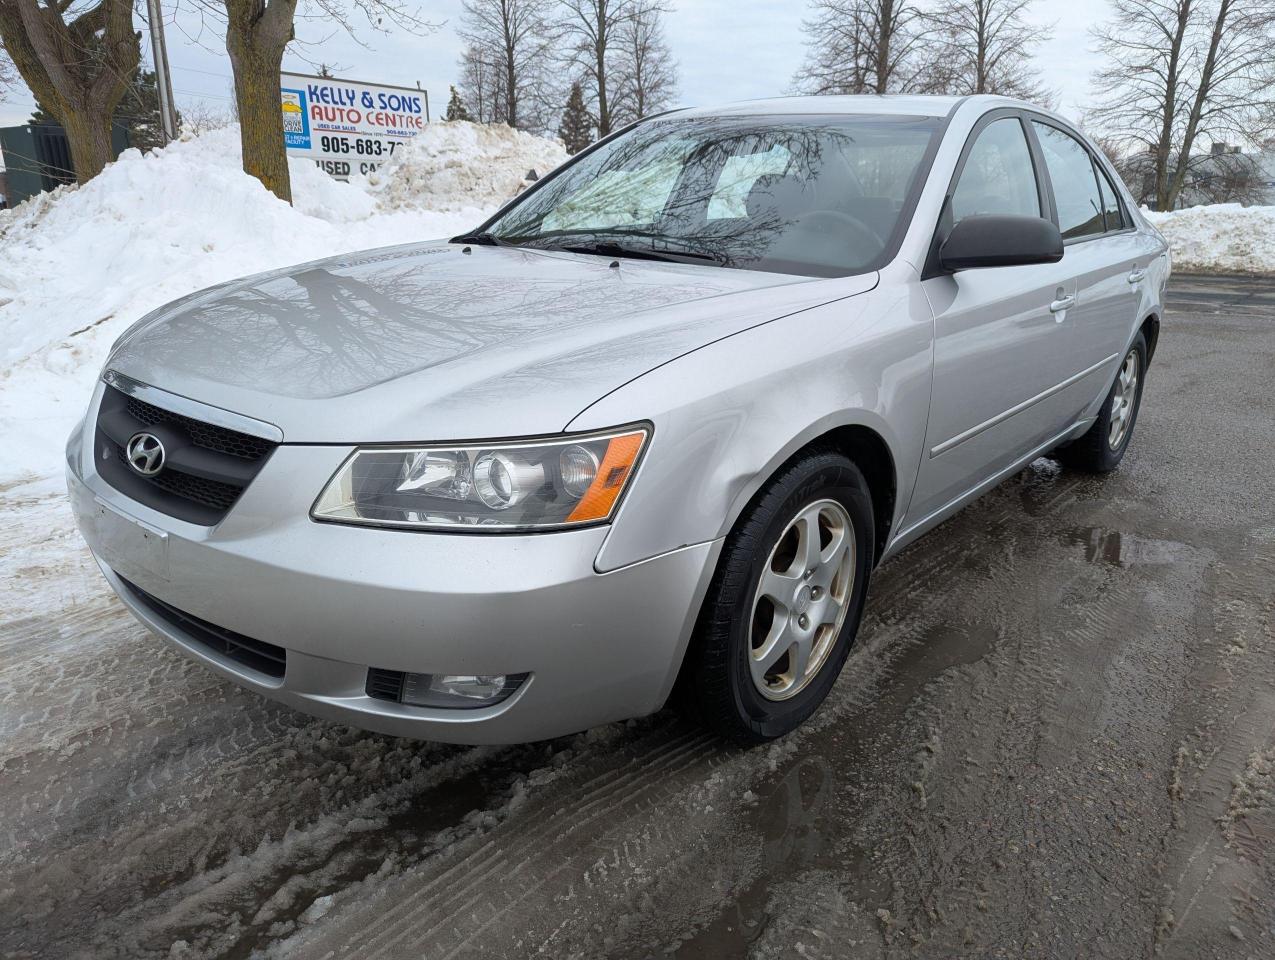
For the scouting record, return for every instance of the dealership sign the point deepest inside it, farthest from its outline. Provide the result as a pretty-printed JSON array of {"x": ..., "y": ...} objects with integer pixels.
[{"x": 348, "y": 127}]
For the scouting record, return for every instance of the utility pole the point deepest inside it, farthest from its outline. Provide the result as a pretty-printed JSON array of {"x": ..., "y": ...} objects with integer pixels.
[{"x": 163, "y": 81}]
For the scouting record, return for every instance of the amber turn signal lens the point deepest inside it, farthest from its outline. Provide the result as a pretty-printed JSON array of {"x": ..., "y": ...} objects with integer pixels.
[{"x": 614, "y": 471}]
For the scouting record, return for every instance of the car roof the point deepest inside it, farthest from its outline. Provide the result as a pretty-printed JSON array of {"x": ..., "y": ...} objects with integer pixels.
[
  {"x": 896, "y": 104},
  {"x": 880, "y": 104}
]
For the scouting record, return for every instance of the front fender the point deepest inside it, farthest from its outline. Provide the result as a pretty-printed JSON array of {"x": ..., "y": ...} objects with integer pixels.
[{"x": 727, "y": 415}]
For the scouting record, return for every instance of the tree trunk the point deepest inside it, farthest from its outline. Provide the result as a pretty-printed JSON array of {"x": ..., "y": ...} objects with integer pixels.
[
  {"x": 602, "y": 37},
  {"x": 1170, "y": 107},
  {"x": 511, "y": 89},
  {"x": 260, "y": 118},
  {"x": 1202, "y": 94},
  {"x": 604, "y": 108},
  {"x": 88, "y": 133},
  {"x": 885, "y": 38}
]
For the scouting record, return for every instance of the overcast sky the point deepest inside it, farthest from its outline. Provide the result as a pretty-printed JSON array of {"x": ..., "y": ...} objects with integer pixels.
[{"x": 726, "y": 50}]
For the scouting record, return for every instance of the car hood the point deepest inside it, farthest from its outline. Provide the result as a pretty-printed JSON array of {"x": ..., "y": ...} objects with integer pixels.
[{"x": 430, "y": 342}]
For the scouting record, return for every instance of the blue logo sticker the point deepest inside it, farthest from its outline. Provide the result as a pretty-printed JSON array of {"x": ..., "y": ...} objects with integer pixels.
[{"x": 296, "y": 119}]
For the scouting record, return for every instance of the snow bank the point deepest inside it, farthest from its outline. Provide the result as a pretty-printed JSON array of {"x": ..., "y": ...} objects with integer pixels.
[
  {"x": 456, "y": 165},
  {"x": 80, "y": 265},
  {"x": 1220, "y": 238}
]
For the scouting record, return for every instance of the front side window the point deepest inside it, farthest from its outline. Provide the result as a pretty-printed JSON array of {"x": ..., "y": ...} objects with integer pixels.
[
  {"x": 998, "y": 177},
  {"x": 1075, "y": 184},
  {"x": 810, "y": 195}
]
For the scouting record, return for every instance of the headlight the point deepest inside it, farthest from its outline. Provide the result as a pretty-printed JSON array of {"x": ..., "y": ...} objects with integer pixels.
[{"x": 524, "y": 485}]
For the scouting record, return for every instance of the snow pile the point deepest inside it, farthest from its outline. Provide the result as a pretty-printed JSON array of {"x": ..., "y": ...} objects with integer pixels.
[
  {"x": 455, "y": 165},
  {"x": 1219, "y": 238},
  {"x": 77, "y": 267}
]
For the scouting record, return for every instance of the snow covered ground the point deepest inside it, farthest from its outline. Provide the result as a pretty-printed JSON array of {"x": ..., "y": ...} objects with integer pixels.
[{"x": 1221, "y": 238}]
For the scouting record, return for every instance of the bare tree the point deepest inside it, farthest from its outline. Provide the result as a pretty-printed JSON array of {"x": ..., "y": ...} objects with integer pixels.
[
  {"x": 863, "y": 46},
  {"x": 512, "y": 40},
  {"x": 7, "y": 74},
  {"x": 78, "y": 59},
  {"x": 198, "y": 118},
  {"x": 480, "y": 86},
  {"x": 984, "y": 46},
  {"x": 593, "y": 29},
  {"x": 648, "y": 78},
  {"x": 1184, "y": 73}
]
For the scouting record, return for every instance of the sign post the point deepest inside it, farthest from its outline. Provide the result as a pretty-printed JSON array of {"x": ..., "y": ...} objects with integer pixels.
[{"x": 347, "y": 127}]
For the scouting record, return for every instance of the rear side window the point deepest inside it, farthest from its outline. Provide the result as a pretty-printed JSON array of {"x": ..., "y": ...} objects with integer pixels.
[
  {"x": 1075, "y": 183},
  {"x": 998, "y": 177},
  {"x": 1110, "y": 205}
]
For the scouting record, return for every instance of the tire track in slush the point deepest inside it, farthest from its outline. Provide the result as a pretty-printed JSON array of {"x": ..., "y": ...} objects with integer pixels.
[{"x": 548, "y": 857}]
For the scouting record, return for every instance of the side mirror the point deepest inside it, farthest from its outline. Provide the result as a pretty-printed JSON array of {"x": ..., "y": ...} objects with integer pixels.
[{"x": 1000, "y": 241}]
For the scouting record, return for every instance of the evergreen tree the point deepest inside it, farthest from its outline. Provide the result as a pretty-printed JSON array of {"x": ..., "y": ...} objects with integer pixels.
[
  {"x": 576, "y": 130},
  {"x": 456, "y": 107}
]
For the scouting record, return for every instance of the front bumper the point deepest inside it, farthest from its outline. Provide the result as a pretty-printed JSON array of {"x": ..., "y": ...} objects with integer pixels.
[{"x": 342, "y": 599}]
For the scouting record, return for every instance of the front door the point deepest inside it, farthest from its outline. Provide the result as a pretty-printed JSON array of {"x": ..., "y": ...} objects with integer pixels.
[{"x": 1000, "y": 335}]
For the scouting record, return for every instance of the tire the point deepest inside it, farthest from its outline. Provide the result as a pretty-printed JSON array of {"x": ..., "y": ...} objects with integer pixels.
[
  {"x": 819, "y": 489},
  {"x": 1095, "y": 452}
]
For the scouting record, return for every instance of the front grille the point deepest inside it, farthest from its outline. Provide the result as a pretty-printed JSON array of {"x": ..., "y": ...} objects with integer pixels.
[
  {"x": 206, "y": 469},
  {"x": 206, "y": 435},
  {"x": 257, "y": 655},
  {"x": 210, "y": 493}
]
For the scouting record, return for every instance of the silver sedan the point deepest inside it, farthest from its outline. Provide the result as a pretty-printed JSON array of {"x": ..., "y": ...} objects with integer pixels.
[{"x": 643, "y": 436}]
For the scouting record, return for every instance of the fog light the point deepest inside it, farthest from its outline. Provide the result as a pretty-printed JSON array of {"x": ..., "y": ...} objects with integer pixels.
[{"x": 456, "y": 691}]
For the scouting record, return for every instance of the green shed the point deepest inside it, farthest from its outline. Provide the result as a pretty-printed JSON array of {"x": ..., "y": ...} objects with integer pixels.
[{"x": 37, "y": 157}]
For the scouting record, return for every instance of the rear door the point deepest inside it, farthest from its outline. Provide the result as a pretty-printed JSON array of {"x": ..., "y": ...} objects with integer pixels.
[
  {"x": 999, "y": 338},
  {"x": 1105, "y": 259}
]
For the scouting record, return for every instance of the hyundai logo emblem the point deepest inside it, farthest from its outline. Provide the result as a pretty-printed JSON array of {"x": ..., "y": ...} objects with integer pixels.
[{"x": 145, "y": 454}]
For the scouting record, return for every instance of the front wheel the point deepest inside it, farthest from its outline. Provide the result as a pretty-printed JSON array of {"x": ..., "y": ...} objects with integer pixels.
[
  {"x": 1103, "y": 445},
  {"x": 785, "y": 602}
]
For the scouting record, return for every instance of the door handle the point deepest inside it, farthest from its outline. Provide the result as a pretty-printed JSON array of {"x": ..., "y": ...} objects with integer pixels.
[
  {"x": 1061, "y": 304},
  {"x": 1137, "y": 276}
]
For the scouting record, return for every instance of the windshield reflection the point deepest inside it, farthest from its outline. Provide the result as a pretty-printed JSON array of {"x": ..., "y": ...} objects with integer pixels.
[{"x": 817, "y": 196}]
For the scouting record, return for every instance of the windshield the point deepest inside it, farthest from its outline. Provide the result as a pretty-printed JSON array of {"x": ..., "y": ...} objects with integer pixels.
[{"x": 816, "y": 196}]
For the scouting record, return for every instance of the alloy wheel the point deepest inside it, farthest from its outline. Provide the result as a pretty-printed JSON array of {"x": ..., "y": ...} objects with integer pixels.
[
  {"x": 1122, "y": 401},
  {"x": 801, "y": 600}
]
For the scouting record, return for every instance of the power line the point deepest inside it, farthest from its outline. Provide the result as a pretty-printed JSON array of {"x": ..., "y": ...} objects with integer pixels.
[{"x": 207, "y": 73}]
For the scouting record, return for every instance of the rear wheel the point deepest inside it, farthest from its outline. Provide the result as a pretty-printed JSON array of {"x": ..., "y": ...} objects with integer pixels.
[
  {"x": 1103, "y": 445},
  {"x": 785, "y": 602}
]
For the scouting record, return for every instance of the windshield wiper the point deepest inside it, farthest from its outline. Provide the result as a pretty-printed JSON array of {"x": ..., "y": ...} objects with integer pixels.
[
  {"x": 482, "y": 238},
  {"x": 612, "y": 248}
]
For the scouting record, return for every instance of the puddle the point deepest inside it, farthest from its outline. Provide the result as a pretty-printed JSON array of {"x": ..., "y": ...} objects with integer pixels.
[{"x": 1126, "y": 549}]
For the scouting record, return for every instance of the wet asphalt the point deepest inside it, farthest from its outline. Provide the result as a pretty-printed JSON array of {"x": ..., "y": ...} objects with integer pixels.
[{"x": 1056, "y": 738}]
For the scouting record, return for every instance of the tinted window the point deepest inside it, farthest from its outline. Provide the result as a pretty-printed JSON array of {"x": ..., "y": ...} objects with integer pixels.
[
  {"x": 1110, "y": 205},
  {"x": 998, "y": 176},
  {"x": 1075, "y": 186},
  {"x": 812, "y": 195}
]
